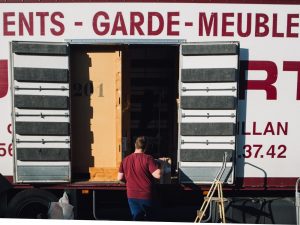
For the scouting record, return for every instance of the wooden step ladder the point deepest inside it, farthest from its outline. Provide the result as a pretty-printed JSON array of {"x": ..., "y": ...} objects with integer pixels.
[{"x": 216, "y": 186}]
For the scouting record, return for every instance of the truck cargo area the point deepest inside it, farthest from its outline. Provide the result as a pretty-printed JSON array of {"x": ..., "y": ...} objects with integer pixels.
[
  {"x": 214, "y": 86},
  {"x": 120, "y": 92}
]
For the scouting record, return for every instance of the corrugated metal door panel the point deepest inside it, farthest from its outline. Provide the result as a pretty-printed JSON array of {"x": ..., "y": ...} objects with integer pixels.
[
  {"x": 208, "y": 87},
  {"x": 41, "y": 112}
]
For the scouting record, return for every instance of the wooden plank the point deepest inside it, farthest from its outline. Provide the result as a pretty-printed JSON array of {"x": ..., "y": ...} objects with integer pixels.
[
  {"x": 103, "y": 174},
  {"x": 103, "y": 123},
  {"x": 118, "y": 111},
  {"x": 107, "y": 105}
]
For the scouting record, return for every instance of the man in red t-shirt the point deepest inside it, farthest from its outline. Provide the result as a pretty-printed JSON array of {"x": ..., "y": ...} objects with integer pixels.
[{"x": 138, "y": 170}]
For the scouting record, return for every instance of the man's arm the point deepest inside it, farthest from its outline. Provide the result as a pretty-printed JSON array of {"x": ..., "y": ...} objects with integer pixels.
[{"x": 157, "y": 174}]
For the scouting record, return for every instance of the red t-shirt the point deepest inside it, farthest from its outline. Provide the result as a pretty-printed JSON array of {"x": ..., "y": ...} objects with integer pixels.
[{"x": 138, "y": 169}]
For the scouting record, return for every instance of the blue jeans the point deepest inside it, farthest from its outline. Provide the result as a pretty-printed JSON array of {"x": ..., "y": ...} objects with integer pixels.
[{"x": 141, "y": 209}]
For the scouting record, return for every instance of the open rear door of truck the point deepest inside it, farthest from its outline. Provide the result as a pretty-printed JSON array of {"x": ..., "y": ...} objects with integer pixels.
[
  {"x": 41, "y": 112},
  {"x": 207, "y": 110}
]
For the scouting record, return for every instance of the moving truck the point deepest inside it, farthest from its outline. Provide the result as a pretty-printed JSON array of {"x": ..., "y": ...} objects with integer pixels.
[{"x": 81, "y": 80}]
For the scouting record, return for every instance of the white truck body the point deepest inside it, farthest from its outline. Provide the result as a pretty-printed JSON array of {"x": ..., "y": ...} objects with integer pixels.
[{"x": 267, "y": 141}]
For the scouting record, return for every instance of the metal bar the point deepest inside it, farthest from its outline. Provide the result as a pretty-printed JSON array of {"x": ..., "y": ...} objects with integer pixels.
[
  {"x": 208, "y": 115},
  {"x": 126, "y": 41},
  {"x": 42, "y": 141},
  {"x": 207, "y": 142},
  {"x": 41, "y": 89},
  {"x": 42, "y": 115},
  {"x": 209, "y": 215},
  {"x": 209, "y": 89},
  {"x": 94, "y": 206},
  {"x": 221, "y": 171}
]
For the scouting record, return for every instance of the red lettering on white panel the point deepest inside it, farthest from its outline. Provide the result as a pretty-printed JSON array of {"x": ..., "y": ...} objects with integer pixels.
[{"x": 3, "y": 78}]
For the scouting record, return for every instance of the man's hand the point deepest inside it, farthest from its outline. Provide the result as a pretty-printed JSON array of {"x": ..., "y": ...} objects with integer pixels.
[
  {"x": 120, "y": 177},
  {"x": 157, "y": 174}
]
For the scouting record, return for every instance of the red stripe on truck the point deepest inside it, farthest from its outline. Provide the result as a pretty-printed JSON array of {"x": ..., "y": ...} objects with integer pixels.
[
  {"x": 278, "y": 2},
  {"x": 3, "y": 78},
  {"x": 242, "y": 184}
]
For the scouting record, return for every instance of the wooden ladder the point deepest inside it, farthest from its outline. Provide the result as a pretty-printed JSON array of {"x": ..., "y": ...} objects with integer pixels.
[{"x": 216, "y": 186}]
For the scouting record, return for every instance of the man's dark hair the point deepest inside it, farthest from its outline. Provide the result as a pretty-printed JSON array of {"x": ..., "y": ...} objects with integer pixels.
[{"x": 141, "y": 143}]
